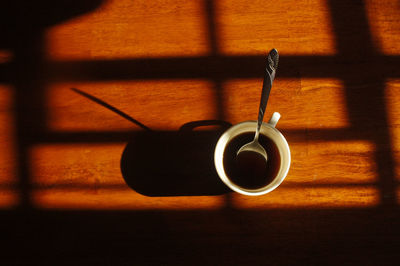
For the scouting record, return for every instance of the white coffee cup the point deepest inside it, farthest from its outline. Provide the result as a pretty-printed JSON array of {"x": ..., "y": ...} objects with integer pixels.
[{"x": 268, "y": 130}]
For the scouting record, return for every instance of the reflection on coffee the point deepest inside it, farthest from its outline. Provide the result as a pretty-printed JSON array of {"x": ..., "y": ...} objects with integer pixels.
[{"x": 249, "y": 169}]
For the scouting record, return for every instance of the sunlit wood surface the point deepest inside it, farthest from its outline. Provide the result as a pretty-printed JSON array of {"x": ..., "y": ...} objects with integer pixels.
[{"x": 85, "y": 86}]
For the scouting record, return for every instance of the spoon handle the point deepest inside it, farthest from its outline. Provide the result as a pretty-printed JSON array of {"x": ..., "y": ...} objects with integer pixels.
[{"x": 273, "y": 58}]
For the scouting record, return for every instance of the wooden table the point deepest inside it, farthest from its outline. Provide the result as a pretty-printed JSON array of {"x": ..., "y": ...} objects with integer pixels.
[{"x": 85, "y": 86}]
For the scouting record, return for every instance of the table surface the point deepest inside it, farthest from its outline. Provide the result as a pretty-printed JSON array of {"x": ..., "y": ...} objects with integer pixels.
[{"x": 110, "y": 111}]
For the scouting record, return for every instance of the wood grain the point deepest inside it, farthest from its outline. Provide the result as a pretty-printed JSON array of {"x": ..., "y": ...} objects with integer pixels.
[{"x": 165, "y": 72}]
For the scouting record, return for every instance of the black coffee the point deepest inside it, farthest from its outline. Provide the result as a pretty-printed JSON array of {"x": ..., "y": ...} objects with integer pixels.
[{"x": 249, "y": 169}]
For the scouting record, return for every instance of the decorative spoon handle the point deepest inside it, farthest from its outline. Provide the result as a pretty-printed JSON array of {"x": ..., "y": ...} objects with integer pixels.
[{"x": 273, "y": 58}]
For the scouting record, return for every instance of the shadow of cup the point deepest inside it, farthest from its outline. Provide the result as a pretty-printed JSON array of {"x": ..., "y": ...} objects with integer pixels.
[{"x": 174, "y": 163}]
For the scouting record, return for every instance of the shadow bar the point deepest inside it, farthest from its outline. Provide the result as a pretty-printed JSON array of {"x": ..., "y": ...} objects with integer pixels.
[
  {"x": 365, "y": 105},
  {"x": 207, "y": 67},
  {"x": 117, "y": 187},
  {"x": 110, "y": 136}
]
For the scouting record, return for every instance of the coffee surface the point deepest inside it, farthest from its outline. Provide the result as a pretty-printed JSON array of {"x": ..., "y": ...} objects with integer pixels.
[{"x": 249, "y": 169}]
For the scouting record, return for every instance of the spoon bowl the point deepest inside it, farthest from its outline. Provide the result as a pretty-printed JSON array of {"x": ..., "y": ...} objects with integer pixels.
[{"x": 254, "y": 146}]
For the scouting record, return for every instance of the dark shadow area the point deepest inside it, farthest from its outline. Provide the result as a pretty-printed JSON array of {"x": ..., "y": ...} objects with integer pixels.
[
  {"x": 174, "y": 163},
  {"x": 212, "y": 237},
  {"x": 19, "y": 19}
]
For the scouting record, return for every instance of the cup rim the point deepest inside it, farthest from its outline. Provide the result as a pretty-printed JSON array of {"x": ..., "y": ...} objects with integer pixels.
[{"x": 283, "y": 148}]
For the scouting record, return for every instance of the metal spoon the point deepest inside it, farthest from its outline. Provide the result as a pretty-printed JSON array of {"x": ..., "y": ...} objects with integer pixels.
[{"x": 255, "y": 146}]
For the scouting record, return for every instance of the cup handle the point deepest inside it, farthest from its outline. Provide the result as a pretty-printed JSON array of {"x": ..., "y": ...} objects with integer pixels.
[
  {"x": 190, "y": 126},
  {"x": 274, "y": 119}
]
